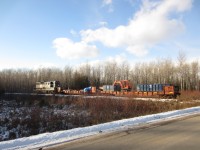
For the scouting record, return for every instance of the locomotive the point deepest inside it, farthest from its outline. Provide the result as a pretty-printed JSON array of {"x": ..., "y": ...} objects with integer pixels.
[{"x": 48, "y": 87}]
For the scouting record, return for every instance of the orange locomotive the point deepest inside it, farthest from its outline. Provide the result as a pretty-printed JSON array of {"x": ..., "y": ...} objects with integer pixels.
[{"x": 161, "y": 90}]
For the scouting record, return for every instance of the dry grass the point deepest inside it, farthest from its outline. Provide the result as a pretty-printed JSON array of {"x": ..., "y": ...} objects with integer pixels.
[
  {"x": 107, "y": 109},
  {"x": 189, "y": 95}
]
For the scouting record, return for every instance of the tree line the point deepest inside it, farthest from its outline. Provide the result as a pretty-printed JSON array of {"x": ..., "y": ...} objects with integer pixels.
[{"x": 183, "y": 73}]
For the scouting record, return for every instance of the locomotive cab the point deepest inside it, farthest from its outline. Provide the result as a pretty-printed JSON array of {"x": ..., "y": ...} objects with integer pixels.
[
  {"x": 56, "y": 86},
  {"x": 171, "y": 91}
]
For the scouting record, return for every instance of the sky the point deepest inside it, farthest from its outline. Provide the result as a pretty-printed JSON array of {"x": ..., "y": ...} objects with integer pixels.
[{"x": 56, "y": 33}]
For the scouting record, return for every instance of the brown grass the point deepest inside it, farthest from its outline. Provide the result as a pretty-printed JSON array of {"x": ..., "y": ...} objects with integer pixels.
[
  {"x": 189, "y": 95},
  {"x": 107, "y": 109}
]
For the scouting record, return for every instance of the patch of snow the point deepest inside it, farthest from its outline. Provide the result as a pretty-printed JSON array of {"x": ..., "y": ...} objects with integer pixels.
[
  {"x": 46, "y": 139},
  {"x": 156, "y": 99}
]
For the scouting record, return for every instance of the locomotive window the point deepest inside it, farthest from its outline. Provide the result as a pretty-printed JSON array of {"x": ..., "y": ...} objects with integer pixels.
[
  {"x": 51, "y": 84},
  {"x": 176, "y": 88},
  {"x": 57, "y": 84}
]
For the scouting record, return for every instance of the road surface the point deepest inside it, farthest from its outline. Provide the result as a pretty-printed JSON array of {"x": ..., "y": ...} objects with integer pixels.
[{"x": 182, "y": 134}]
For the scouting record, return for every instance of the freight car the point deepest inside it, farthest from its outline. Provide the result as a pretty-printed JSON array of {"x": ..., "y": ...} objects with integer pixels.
[
  {"x": 48, "y": 87},
  {"x": 161, "y": 90}
]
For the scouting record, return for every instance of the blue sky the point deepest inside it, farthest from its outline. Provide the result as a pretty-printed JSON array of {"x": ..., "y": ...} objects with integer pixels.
[{"x": 37, "y": 33}]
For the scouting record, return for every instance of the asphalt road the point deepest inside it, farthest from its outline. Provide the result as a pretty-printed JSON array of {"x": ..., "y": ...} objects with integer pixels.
[{"x": 182, "y": 134}]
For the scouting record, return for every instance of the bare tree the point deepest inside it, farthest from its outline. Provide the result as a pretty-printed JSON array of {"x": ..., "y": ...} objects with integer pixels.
[
  {"x": 68, "y": 77},
  {"x": 181, "y": 68}
]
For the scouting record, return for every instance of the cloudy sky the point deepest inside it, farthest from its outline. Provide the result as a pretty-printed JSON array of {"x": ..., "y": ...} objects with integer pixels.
[{"x": 37, "y": 33}]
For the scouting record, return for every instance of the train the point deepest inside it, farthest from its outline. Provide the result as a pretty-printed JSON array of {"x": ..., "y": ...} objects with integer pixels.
[{"x": 118, "y": 88}]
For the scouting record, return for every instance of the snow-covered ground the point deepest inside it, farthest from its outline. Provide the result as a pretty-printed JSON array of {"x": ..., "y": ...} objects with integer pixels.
[
  {"x": 155, "y": 99},
  {"x": 22, "y": 119},
  {"x": 47, "y": 139}
]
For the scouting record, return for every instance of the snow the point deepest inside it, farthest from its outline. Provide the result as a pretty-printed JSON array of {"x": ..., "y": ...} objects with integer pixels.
[{"x": 48, "y": 139}]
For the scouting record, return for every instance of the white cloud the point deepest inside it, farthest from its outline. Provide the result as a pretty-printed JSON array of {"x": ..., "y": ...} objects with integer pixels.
[
  {"x": 65, "y": 48},
  {"x": 137, "y": 50},
  {"x": 103, "y": 23},
  {"x": 20, "y": 64},
  {"x": 132, "y": 2},
  {"x": 149, "y": 26},
  {"x": 117, "y": 58},
  {"x": 155, "y": 22},
  {"x": 73, "y": 32},
  {"x": 107, "y": 2}
]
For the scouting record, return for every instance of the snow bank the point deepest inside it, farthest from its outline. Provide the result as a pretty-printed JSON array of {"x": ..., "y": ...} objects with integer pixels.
[{"x": 46, "y": 139}]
